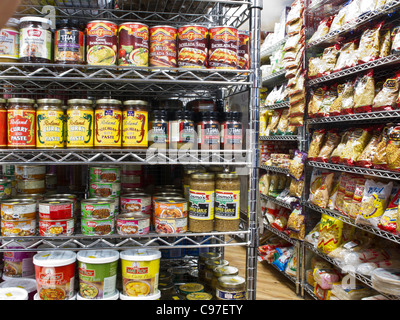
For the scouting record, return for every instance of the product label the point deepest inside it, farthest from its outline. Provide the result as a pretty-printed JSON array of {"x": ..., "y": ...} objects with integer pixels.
[
  {"x": 133, "y": 45},
  {"x": 192, "y": 46},
  {"x": 208, "y": 134},
  {"x": 159, "y": 133},
  {"x": 102, "y": 43},
  {"x": 35, "y": 43},
  {"x": 163, "y": 47},
  {"x": 79, "y": 128},
  {"x": 69, "y": 45},
  {"x": 21, "y": 128},
  {"x": 223, "y": 48},
  {"x": 230, "y": 295},
  {"x": 201, "y": 204},
  {"x": 3, "y": 124},
  {"x": 50, "y": 129},
  {"x": 231, "y": 134},
  {"x": 9, "y": 44},
  {"x": 108, "y": 128},
  {"x": 182, "y": 132},
  {"x": 227, "y": 204},
  {"x": 134, "y": 129}
]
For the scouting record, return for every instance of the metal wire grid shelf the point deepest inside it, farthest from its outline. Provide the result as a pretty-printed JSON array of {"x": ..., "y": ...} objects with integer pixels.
[
  {"x": 274, "y": 169},
  {"x": 124, "y": 156},
  {"x": 364, "y": 117},
  {"x": 280, "y": 138},
  {"x": 357, "y": 23},
  {"x": 279, "y": 233},
  {"x": 173, "y": 12},
  {"x": 274, "y": 200},
  {"x": 274, "y": 78},
  {"x": 277, "y": 106}
]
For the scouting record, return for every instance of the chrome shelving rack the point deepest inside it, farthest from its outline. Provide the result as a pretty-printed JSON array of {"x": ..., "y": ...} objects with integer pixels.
[{"x": 36, "y": 80}]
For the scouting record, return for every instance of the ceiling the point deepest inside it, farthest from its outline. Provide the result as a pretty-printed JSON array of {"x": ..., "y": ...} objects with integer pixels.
[{"x": 271, "y": 13}]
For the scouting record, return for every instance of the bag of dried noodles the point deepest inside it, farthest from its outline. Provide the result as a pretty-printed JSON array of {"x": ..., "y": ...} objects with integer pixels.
[
  {"x": 364, "y": 93},
  {"x": 337, "y": 153},
  {"x": 356, "y": 144},
  {"x": 366, "y": 157},
  {"x": 317, "y": 141},
  {"x": 379, "y": 160},
  {"x": 386, "y": 98},
  {"x": 331, "y": 142},
  {"x": 368, "y": 49},
  {"x": 393, "y": 148}
]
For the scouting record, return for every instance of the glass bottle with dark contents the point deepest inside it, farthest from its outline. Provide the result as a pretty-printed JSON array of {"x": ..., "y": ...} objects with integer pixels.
[
  {"x": 159, "y": 130},
  {"x": 69, "y": 42},
  {"x": 232, "y": 131},
  {"x": 208, "y": 131}
]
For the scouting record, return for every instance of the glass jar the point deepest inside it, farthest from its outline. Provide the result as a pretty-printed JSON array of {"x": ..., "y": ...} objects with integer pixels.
[
  {"x": 232, "y": 131},
  {"x": 227, "y": 202},
  {"x": 9, "y": 39},
  {"x": 208, "y": 131},
  {"x": 159, "y": 130},
  {"x": 69, "y": 42},
  {"x": 108, "y": 124},
  {"x": 35, "y": 45},
  {"x": 49, "y": 124},
  {"x": 3, "y": 123},
  {"x": 210, "y": 265},
  {"x": 182, "y": 130},
  {"x": 135, "y": 122},
  {"x": 80, "y": 123},
  {"x": 21, "y": 123},
  {"x": 222, "y": 271},
  {"x": 186, "y": 178},
  {"x": 201, "y": 202},
  {"x": 231, "y": 288}
]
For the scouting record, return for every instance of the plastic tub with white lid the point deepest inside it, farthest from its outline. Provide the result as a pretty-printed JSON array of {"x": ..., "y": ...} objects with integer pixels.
[{"x": 13, "y": 293}]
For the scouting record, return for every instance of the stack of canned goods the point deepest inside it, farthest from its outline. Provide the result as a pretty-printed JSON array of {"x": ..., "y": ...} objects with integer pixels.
[{"x": 31, "y": 179}]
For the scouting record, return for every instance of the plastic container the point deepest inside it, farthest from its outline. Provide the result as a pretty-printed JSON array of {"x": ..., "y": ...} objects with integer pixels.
[
  {"x": 25, "y": 283},
  {"x": 140, "y": 269},
  {"x": 155, "y": 296},
  {"x": 18, "y": 264},
  {"x": 37, "y": 297},
  {"x": 13, "y": 293},
  {"x": 55, "y": 274},
  {"x": 114, "y": 296},
  {"x": 97, "y": 273}
]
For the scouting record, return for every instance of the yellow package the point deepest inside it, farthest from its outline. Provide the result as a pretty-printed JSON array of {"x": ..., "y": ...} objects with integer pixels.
[{"x": 330, "y": 234}]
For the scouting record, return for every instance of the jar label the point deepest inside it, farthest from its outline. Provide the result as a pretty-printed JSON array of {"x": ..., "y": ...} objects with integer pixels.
[
  {"x": 135, "y": 129},
  {"x": 50, "y": 129},
  {"x": 208, "y": 135},
  {"x": 201, "y": 205},
  {"x": 223, "y": 45},
  {"x": 69, "y": 46},
  {"x": 79, "y": 128},
  {"x": 227, "y": 205},
  {"x": 182, "y": 132},
  {"x": 9, "y": 44},
  {"x": 159, "y": 133},
  {"x": 21, "y": 128},
  {"x": 3, "y": 124},
  {"x": 108, "y": 128},
  {"x": 133, "y": 45},
  {"x": 230, "y": 295},
  {"x": 231, "y": 134},
  {"x": 35, "y": 43}
]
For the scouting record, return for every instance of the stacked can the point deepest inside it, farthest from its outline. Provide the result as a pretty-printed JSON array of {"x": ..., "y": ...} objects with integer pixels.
[
  {"x": 31, "y": 179},
  {"x": 131, "y": 177},
  {"x": 18, "y": 217},
  {"x": 99, "y": 211}
]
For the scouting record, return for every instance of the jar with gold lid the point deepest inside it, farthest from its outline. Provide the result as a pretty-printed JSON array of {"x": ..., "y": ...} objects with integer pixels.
[
  {"x": 201, "y": 263},
  {"x": 231, "y": 288},
  {"x": 209, "y": 271},
  {"x": 222, "y": 271},
  {"x": 50, "y": 122},
  {"x": 80, "y": 123},
  {"x": 135, "y": 124},
  {"x": 108, "y": 124}
]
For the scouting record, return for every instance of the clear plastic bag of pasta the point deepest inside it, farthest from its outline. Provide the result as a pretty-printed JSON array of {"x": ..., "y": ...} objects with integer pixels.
[
  {"x": 322, "y": 194},
  {"x": 379, "y": 160},
  {"x": 317, "y": 98},
  {"x": 329, "y": 97},
  {"x": 330, "y": 233},
  {"x": 332, "y": 140},
  {"x": 355, "y": 207},
  {"x": 364, "y": 92},
  {"x": 317, "y": 141},
  {"x": 315, "y": 182},
  {"x": 274, "y": 121},
  {"x": 385, "y": 41},
  {"x": 395, "y": 40},
  {"x": 356, "y": 144},
  {"x": 388, "y": 221},
  {"x": 336, "y": 106},
  {"x": 329, "y": 59},
  {"x": 350, "y": 190},
  {"x": 283, "y": 122},
  {"x": 347, "y": 106},
  {"x": 366, "y": 157},
  {"x": 369, "y": 47},
  {"x": 393, "y": 148},
  {"x": 337, "y": 152},
  {"x": 374, "y": 202},
  {"x": 385, "y": 100},
  {"x": 343, "y": 179},
  {"x": 296, "y": 168},
  {"x": 339, "y": 19},
  {"x": 347, "y": 57},
  {"x": 314, "y": 64},
  {"x": 322, "y": 29}
]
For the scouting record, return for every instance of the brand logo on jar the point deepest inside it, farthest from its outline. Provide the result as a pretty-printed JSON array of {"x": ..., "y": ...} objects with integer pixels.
[
  {"x": 160, "y": 37},
  {"x": 97, "y": 171},
  {"x": 191, "y": 35},
  {"x": 34, "y": 33},
  {"x": 85, "y": 272},
  {"x": 101, "y": 32},
  {"x": 4, "y": 34},
  {"x": 142, "y": 33},
  {"x": 89, "y": 207},
  {"x": 91, "y": 224},
  {"x": 50, "y": 276},
  {"x": 132, "y": 270}
]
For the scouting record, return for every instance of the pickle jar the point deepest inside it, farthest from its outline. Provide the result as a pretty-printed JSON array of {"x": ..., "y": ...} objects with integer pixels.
[
  {"x": 135, "y": 124},
  {"x": 108, "y": 124},
  {"x": 201, "y": 202},
  {"x": 231, "y": 288},
  {"x": 222, "y": 271},
  {"x": 201, "y": 263},
  {"x": 80, "y": 123},
  {"x": 21, "y": 123},
  {"x": 211, "y": 264},
  {"x": 49, "y": 124},
  {"x": 227, "y": 202}
]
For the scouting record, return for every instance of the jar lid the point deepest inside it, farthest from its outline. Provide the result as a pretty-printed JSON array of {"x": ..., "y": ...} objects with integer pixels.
[
  {"x": 108, "y": 101},
  {"x": 135, "y": 102},
  {"x": 209, "y": 255},
  {"x": 202, "y": 175},
  {"x": 49, "y": 101},
  {"x": 227, "y": 175},
  {"x": 36, "y": 19},
  {"x": 71, "y": 23},
  {"x": 184, "y": 114},
  {"x": 3, "y": 100},
  {"x": 225, "y": 270},
  {"x": 13, "y": 293},
  {"x": 97, "y": 256},
  {"x": 231, "y": 281},
  {"x": 79, "y": 101},
  {"x": 56, "y": 258},
  {"x": 12, "y": 22},
  {"x": 20, "y": 100},
  {"x": 199, "y": 296},
  {"x": 212, "y": 263},
  {"x": 140, "y": 255}
]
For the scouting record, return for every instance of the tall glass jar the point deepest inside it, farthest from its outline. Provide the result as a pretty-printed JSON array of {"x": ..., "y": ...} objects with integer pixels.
[
  {"x": 227, "y": 202},
  {"x": 231, "y": 288},
  {"x": 222, "y": 271},
  {"x": 186, "y": 179},
  {"x": 201, "y": 202},
  {"x": 135, "y": 122},
  {"x": 159, "y": 130},
  {"x": 80, "y": 123},
  {"x": 108, "y": 124},
  {"x": 49, "y": 124},
  {"x": 21, "y": 123}
]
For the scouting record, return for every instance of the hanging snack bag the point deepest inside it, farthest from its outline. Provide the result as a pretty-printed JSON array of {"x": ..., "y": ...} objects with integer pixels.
[
  {"x": 317, "y": 97},
  {"x": 317, "y": 141},
  {"x": 379, "y": 160},
  {"x": 386, "y": 98},
  {"x": 366, "y": 157},
  {"x": 331, "y": 142},
  {"x": 337, "y": 153},
  {"x": 393, "y": 148},
  {"x": 395, "y": 40},
  {"x": 388, "y": 221},
  {"x": 368, "y": 50},
  {"x": 330, "y": 234},
  {"x": 347, "y": 106},
  {"x": 374, "y": 202},
  {"x": 356, "y": 144},
  {"x": 347, "y": 56},
  {"x": 364, "y": 93}
]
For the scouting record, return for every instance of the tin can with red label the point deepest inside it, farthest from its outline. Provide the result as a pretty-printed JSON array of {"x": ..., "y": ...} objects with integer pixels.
[
  {"x": 101, "y": 42},
  {"x": 133, "y": 44},
  {"x": 163, "y": 46},
  {"x": 223, "y": 52},
  {"x": 56, "y": 209},
  {"x": 192, "y": 46},
  {"x": 243, "y": 50},
  {"x": 50, "y": 228}
]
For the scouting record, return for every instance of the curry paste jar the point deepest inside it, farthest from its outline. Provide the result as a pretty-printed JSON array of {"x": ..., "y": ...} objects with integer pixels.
[
  {"x": 3, "y": 123},
  {"x": 49, "y": 124},
  {"x": 35, "y": 42},
  {"x": 69, "y": 42},
  {"x": 135, "y": 122},
  {"x": 101, "y": 43},
  {"x": 108, "y": 124},
  {"x": 79, "y": 124},
  {"x": 21, "y": 123}
]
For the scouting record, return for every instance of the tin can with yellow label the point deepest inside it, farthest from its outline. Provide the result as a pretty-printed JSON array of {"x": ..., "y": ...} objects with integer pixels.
[
  {"x": 49, "y": 124},
  {"x": 135, "y": 121},
  {"x": 79, "y": 124},
  {"x": 108, "y": 124}
]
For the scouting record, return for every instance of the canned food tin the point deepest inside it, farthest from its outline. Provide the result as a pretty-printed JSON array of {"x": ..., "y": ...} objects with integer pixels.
[
  {"x": 18, "y": 209},
  {"x": 31, "y": 186},
  {"x": 5, "y": 188},
  {"x": 223, "y": 53},
  {"x": 97, "y": 227},
  {"x": 18, "y": 228},
  {"x": 104, "y": 189},
  {"x": 114, "y": 199},
  {"x": 105, "y": 174},
  {"x": 163, "y": 225},
  {"x": 133, "y": 44},
  {"x": 51, "y": 181},
  {"x": 192, "y": 46},
  {"x": 30, "y": 172},
  {"x": 137, "y": 223},
  {"x": 243, "y": 50},
  {"x": 97, "y": 209},
  {"x": 68, "y": 196},
  {"x": 170, "y": 207},
  {"x": 136, "y": 202},
  {"x": 102, "y": 39},
  {"x": 56, "y": 209},
  {"x": 163, "y": 49},
  {"x": 51, "y": 228}
]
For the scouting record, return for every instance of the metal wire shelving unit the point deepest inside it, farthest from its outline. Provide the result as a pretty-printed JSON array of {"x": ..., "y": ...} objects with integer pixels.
[{"x": 37, "y": 80}]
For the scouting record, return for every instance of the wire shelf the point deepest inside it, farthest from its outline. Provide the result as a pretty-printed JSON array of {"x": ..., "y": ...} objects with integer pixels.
[
  {"x": 280, "y": 234},
  {"x": 275, "y": 169},
  {"x": 278, "y": 202},
  {"x": 271, "y": 49},
  {"x": 364, "y": 117},
  {"x": 274, "y": 78},
  {"x": 277, "y": 106},
  {"x": 280, "y": 138}
]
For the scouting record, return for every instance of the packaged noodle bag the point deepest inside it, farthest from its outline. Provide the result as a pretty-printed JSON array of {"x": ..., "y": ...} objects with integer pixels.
[
  {"x": 356, "y": 144},
  {"x": 350, "y": 189},
  {"x": 315, "y": 182},
  {"x": 317, "y": 141},
  {"x": 368, "y": 49},
  {"x": 347, "y": 106},
  {"x": 366, "y": 157},
  {"x": 322, "y": 194},
  {"x": 364, "y": 92},
  {"x": 374, "y": 202},
  {"x": 385, "y": 41},
  {"x": 337, "y": 152},
  {"x": 317, "y": 97},
  {"x": 330, "y": 233},
  {"x": 388, "y": 221},
  {"x": 329, "y": 97},
  {"x": 385, "y": 99},
  {"x": 380, "y": 157},
  {"x": 322, "y": 29},
  {"x": 329, "y": 58},
  {"x": 393, "y": 148},
  {"x": 331, "y": 142},
  {"x": 336, "y": 105},
  {"x": 355, "y": 207},
  {"x": 347, "y": 56}
]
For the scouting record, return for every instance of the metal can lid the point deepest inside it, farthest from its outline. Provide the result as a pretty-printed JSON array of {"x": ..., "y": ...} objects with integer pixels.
[
  {"x": 209, "y": 255},
  {"x": 135, "y": 195},
  {"x": 108, "y": 101},
  {"x": 199, "y": 296},
  {"x": 136, "y": 102},
  {"x": 133, "y": 216},
  {"x": 19, "y": 201},
  {"x": 102, "y": 21},
  {"x": 171, "y": 200},
  {"x": 135, "y": 23},
  {"x": 227, "y": 175},
  {"x": 231, "y": 281},
  {"x": 97, "y": 201},
  {"x": 202, "y": 175},
  {"x": 79, "y": 101}
]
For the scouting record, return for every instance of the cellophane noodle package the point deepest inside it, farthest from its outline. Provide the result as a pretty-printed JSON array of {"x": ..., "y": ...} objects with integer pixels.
[
  {"x": 339, "y": 19},
  {"x": 395, "y": 40},
  {"x": 364, "y": 93},
  {"x": 368, "y": 49},
  {"x": 366, "y": 157},
  {"x": 355, "y": 207},
  {"x": 385, "y": 99},
  {"x": 317, "y": 141},
  {"x": 315, "y": 182},
  {"x": 314, "y": 64},
  {"x": 393, "y": 148},
  {"x": 388, "y": 221},
  {"x": 347, "y": 56},
  {"x": 347, "y": 106},
  {"x": 350, "y": 190},
  {"x": 385, "y": 41},
  {"x": 330, "y": 233},
  {"x": 357, "y": 142},
  {"x": 322, "y": 194},
  {"x": 343, "y": 179},
  {"x": 296, "y": 168},
  {"x": 332, "y": 140},
  {"x": 322, "y": 29},
  {"x": 337, "y": 153}
]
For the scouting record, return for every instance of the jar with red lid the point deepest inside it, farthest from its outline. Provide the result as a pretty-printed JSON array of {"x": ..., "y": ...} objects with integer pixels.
[
  {"x": 208, "y": 131},
  {"x": 232, "y": 131}
]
